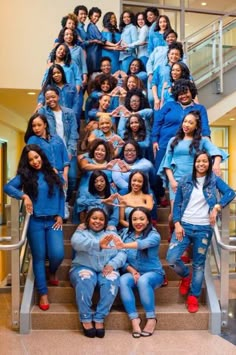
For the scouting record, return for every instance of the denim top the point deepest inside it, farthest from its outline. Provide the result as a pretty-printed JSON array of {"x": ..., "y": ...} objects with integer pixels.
[
  {"x": 128, "y": 36},
  {"x": 88, "y": 252},
  {"x": 44, "y": 205},
  {"x": 185, "y": 188},
  {"x": 138, "y": 259}
]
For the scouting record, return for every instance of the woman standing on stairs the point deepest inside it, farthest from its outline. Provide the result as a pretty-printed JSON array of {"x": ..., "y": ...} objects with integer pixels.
[
  {"x": 195, "y": 211},
  {"x": 41, "y": 190},
  {"x": 143, "y": 270},
  {"x": 94, "y": 266}
]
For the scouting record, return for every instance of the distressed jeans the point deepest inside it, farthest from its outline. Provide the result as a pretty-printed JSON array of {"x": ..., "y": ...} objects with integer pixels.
[
  {"x": 200, "y": 237},
  {"x": 146, "y": 286},
  {"x": 84, "y": 280}
]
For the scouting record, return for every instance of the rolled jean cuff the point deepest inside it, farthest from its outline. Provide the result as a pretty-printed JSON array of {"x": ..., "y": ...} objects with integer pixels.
[
  {"x": 133, "y": 315},
  {"x": 150, "y": 315}
]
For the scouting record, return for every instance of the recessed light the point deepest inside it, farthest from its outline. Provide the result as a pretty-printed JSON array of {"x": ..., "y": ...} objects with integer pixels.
[
  {"x": 187, "y": 24},
  {"x": 204, "y": 3},
  {"x": 232, "y": 119},
  {"x": 31, "y": 93}
]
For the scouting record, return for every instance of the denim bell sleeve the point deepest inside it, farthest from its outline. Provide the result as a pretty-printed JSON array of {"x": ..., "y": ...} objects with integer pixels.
[{"x": 213, "y": 150}]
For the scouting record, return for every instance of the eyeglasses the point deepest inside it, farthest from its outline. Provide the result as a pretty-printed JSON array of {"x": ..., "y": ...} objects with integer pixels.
[
  {"x": 134, "y": 101},
  {"x": 130, "y": 151}
]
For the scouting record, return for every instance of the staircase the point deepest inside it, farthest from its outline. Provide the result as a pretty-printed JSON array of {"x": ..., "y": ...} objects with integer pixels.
[{"x": 170, "y": 309}]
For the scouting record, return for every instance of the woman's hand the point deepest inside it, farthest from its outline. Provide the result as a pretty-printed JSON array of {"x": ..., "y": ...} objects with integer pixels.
[
  {"x": 104, "y": 242},
  {"x": 58, "y": 224},
  {"x": 179, "y": 232},
  {"x": 123, "y": 167},
  {"x": 174, "y": 185},
  {"x": 155, "y": 148},
  {"x": 28, "y": 204},
  {"x": 81, "y": 226},
  {"x": 118, "y": 242},
  {"x": 157, "y": 103},
  {"x": 212, "y": 216},
  {"x": 122, "y": 201},
  {"x": 136, "y": 276},
  {"x": 107, "y": 270},
  {"x": 216, "y": 169},
  {"x": 110, "y": 200}
]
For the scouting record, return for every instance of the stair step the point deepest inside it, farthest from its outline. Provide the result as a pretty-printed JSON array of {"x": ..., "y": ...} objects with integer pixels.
[
  {"x": 69, "y": 229},
  {"x": 170, "y": 317},
  {"x": 168, "y": 294},
  {"x": 163, "y": 229},
  {"x": 163, "y": 214}
]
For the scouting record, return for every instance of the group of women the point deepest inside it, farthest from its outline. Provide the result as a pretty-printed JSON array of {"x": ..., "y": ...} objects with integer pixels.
[{"x": 136, "y": 139}]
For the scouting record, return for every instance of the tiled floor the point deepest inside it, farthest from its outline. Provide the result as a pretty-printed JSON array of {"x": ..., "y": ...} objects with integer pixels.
[{"x": 115, "y": 342}]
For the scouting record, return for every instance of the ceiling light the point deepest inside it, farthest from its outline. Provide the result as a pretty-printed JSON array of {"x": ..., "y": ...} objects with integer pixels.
[
  {"x": 31, "y": 93},
  {"x": 232, "y": 119},
  {"x": 204, "y": 3}
]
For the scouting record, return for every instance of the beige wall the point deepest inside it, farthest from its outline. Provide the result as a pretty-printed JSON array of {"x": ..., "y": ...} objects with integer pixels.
[
  {"x": 232, "y": 159},
  {"x": 28, "y": 29}
]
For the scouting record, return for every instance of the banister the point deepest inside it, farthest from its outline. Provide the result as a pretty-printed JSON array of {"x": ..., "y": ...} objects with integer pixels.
[{"x": 21, "y": 241}]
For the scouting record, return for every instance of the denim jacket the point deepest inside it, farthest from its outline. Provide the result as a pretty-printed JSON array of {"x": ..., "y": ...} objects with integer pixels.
[
  {"x": 88, "y": 252},
  {"x": 215, "y": 185},
  {"x": 138, "y": 259},
  {"x": 69, "y": 124}
]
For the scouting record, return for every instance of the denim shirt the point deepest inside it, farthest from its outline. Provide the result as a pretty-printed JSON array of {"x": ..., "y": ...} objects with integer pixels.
[
  {"x": 88, "y": 252},
  {"x": 128, "y": 36},
  {"x": 138, "y": 259},
  {"x": 44, "y": 205},
  {"x": 215, "y": 185},
  {"x": 69, "y": 123}
]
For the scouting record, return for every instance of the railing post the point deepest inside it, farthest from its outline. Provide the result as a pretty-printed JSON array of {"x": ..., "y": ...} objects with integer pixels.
[
  {"x": 15, "y": 264},
  {"x": 221, "y": 86},
  {"x": 224, "y": 261}
]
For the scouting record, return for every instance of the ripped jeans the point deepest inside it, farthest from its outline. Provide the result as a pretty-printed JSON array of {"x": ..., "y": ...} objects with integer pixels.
[
  {"x": 84, "y": 281},
  {"x": 200, "y": 237}
]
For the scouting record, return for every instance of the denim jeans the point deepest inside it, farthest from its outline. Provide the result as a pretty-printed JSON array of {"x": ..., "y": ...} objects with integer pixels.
[
  {"x": 44, "y": 241},
  {"x": 146, "y": 286},
  {"x": 125, "y": 63},
  {"x": 84, "y": 280},
  {"x": 72, "y": 177},
  {"x": 200, "y": 237}
]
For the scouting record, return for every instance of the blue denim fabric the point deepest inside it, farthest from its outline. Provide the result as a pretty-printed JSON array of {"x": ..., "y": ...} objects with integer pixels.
[
  {"x": 146, "y": 286},
  {"x": 125, "y": 63},
  {"x": 72, "y": 177},
  {"x": 85, "y": 280},
  {"x": 200, "y": 237},
  {"x": 44, "y": 241},
  {"x": 185, "y": 188}
]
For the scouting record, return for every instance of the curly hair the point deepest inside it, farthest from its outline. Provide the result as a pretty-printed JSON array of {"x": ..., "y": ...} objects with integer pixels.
[
  {"x": 139, "y": 82},
  {"x": 136, "y": 147},
  {"x": 29, "y": 130},
  {"x": 29, "y": 176},
  {"x": 80, "y": 8},
  {"x": 67, "y": 58},
  {"x": 100, "y": 79},
  {"x": 72, "y": 17},
  {"x": 107, "y": 24},
  {"x": 132, "y": 19},
  {"x": 143, "y": 100},
  {"x": 92, "y": 189},
  {"x": 95, "y": 143},
  {"x": 178, "y": 46},
  {"x": 62, "y": 34},
  {"x": 181, "y": 86},
  {"x": 155, "y": 12},
  {"x": 197, "y": 134},
  {"x": 145, "y": 181},
  {"x": 94, "y": 10},
  {"x": 141, "y": 131},
  {"x": 91, "y": 212},
  {"x": 141, "y": 65},
  {"x": 168, "y": 25},
  {"x": 185, "y": 73},
  {"x": 49, "y": 81}
]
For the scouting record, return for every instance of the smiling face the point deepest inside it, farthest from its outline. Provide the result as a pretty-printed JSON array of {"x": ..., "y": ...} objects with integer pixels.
[
  {"x": 151, "y": 17},
  {"x": 139, "y": 222},
  {"x": 105, "y": 124},
  {"x": 70, "y": 24},
  {"x": 100, "y": 153},
  {"x": 60, "y": 52},
  {"x": 201, "y": 165},
  {"x": 130, "y": 154},
  {"x": 35, "y": 160},
  {"x": 97, "y": 221},
  {"x": 135, "y": 103},
  {"x": 113, "y": 20},
  {"x": 82, "y": 16},
  {"x": 185, "y": 98},
  {"x": 131, "y": 83},
  {"x": 68, "y": 36},
  {"x": 126, "y": 18},
  {"x": 162, "y": 24},
  {"x": 137, "y": 182},
  {"x": 52, "y": 99},
  {"x": 173, "y": 56},
  {"x": 100, "y": 184},
  {"x": 105, "y": 67},
  {"x": 176, "y": 71},
  {"x": 134, "y": 124},
  {"x": 140, "y": 20},
  {"x": 39, "y": 127},
  {"x": 134, "y": 67},
  {"x": 171, "y": 38},
  {"x": 105, "y": 86},
  {"x": 95, "y": 17},
  {"x": 104, "y": 103},
  {"x": 57, "y": 76},
  {"x": 189, "y": 125}
]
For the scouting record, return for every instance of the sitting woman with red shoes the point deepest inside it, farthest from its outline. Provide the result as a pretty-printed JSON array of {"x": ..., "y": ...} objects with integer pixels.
[
  {"x": 195, "y": 211},
  {"x": 41, "y": 189}
]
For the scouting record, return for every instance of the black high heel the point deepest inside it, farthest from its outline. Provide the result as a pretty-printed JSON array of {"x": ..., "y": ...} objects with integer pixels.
[
  {"x": 144, "y": 333},
  {"x": 90, "y": 333},
  {"x": 137, "y": 335}
]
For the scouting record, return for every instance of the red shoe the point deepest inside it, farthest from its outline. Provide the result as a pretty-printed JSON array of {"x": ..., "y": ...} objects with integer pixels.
[
  {"x": 186, "y": 259},
  {"x": 184, "y": 285},
  {"x": 54, "y": 282},
  {"x": 154, "y": 223},
  {"x": 44, "y": 307},
  {"x": 164, "y": 202},
  {"x": 192, "y": 304},
  {"x": 165, "y": 282}
]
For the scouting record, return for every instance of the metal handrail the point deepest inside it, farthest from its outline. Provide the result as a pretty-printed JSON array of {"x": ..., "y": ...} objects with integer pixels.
[
  {"x": 21, "y": 241},
  {"x": 220, "y": 243}
]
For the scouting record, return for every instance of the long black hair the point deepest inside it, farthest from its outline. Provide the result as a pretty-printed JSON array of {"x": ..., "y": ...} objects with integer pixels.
[
  {"x": 67, "y": 58},
  {"x": 29, "y": 130},
  {"x": 29, "y": 176},
  {"x": 141, "y": 132},
  {"x": 49, "y": 81},
  {"x": 145, "y": 181},
  {"x": 141, "y": 66},
  {"x": 197, "y": 134},
  {"x": 62, "y": 34},
  {"x": 132, "y": 19},
  {"x": 148, "y": 228},
  {"x": 92, "y": 189},
  {"x": 185, "y": 72},
  {"x": 168, "y": 25},
  {"x": 90, "y": 213},
  {"x": 106, "y": 21},
  {"x": 209, "y": 171}
]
